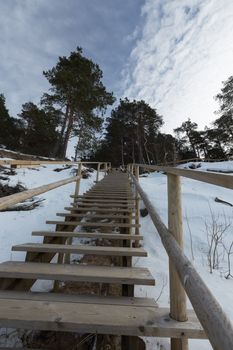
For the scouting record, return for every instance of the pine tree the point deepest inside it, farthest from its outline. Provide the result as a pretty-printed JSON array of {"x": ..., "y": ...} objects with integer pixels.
[
  {"x": 224, "y": 123},
  {"x": 39, "y": 129},
  {"x": 10, "y": 128},
  {"x": 130, "y": 133},
  {"x": 77, "y": 88}
]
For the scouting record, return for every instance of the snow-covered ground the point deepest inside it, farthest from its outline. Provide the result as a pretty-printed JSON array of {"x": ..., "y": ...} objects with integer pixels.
[
  {"x": 16, "y": 226},
  {"x": 198, "y": 202}
]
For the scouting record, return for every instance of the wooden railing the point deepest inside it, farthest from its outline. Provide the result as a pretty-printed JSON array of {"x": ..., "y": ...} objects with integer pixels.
[
  {"x": 188, "y": 160},
  {"x": 8, "y": 201},
  {"x": 183, "y": 276}
]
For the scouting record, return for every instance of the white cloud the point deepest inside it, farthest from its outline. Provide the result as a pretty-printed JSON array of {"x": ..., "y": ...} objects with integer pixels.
[{"x": 184, "y": 53}]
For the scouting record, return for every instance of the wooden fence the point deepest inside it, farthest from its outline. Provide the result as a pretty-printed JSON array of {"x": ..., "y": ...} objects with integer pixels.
[
  {"x": 8, "y": 201},
  {"x": 183, "y": 276}
]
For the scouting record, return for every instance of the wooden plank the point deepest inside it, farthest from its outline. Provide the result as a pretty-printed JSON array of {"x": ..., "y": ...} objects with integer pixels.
[
  {"x": 76, "y": 298},
  {"x": 91, "y": 224},
  {"x": 111, "y": 196},
  {"x": 103, "y": 205},
  {"x": 222, "y": 180},
  {"x": 77, "y": 273},
  {"x": 8, "y": 201},
  {"x": 177, "y": 293},
  {"x": 95, "y": 318},
  {"x": 107, "y": 196},
  {"x": 93, "y": 215},
  {"x": 79, "y": 249},
  {"x": 104, "y": 210},
  {"x": 105, "y": 191},
  {"x": 87, "y": 235},
  {"x": 38, "y": 162},
  {"x": 85, "y": 199}
]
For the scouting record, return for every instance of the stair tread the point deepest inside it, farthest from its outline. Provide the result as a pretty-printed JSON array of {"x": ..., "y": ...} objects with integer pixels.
[
  {"x": 79, "y": 249},
  {"x": 76, "y": 272},
  {"x": 87, "y": 235},
  {"x": 76, "y": 298},
  {"x": 93, "y": 317},
  {"x": 107, "y": 210},
  {"x": 90, "y": 224}
]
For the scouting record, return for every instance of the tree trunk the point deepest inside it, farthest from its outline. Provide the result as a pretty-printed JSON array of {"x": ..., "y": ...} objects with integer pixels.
[
  {"x": 57, "y": 152},
  {"x": 67, "y": 133},
  {"x": 122, "y": 152}
]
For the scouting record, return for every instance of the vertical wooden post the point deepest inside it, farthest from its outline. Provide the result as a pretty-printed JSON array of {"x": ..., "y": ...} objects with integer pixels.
[
  {"x": 60, "y": 258},
  {"x": 98, "y": 172},
  {"x": 177, "y": 293},
  {"x": 77, "y": 189},
  {"x": 137, "y": 211},
  {"x": 128, "y": 168},
  {"x": 105, "y": 168}
]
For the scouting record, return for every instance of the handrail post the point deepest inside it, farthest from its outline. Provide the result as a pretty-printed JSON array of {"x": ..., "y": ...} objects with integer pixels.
[
  {"x": 105, "y": 168},
  {"x": 98, "y": 172},
  {"x": 76, "y": 193},
  {"x": 137, "y": 211},
  {"x": 177, "y": 293},
  {"x": 77, "y": 187}
]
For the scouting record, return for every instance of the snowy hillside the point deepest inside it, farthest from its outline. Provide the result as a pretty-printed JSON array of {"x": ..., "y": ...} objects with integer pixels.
[
  {"x": 16, "y": 227},
  {"x": 198, "y": 202}
]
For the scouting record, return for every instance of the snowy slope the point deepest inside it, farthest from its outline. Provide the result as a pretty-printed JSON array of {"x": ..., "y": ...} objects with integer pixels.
[
  {"x": 198, "y": 199},
  {"x": 16, "y": 227}
]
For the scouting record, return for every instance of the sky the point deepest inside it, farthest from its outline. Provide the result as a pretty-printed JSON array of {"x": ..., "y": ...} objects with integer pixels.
[{"x": 174, "y": 54}]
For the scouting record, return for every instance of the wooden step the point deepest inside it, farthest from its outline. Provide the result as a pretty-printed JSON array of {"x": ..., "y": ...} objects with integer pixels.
[
  {"x": 100, "y": 216},
  {"x": 100, "y": 202},
  {"x": 103, "y": 205},
  {"x": 73, "y": 314},
  {"x": 107, "y": 196},
  {"x": 87, "y": 235},
  {"x": 97, "y": 200},
  {"x": 75, "y": 298},
  {"x": 126, "y": 198},
  {"x": 79, "y": 249},
  {"x": 90, "y": 224},
  {"x": 77, "y": 273},
  {"x": 104, "y": 210},
  {"x": 109, "y": 190}
]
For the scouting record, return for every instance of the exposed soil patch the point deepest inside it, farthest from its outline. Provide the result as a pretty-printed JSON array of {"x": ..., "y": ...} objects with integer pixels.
[{"x": 6, "y": 190}]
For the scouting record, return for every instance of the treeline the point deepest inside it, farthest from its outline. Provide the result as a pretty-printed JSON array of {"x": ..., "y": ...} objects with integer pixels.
[
  {"x": 75, "y": 107},
  {"x": 133, "y": 134}
]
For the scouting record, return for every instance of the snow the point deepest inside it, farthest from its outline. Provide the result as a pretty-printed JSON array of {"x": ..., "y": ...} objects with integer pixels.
[
  {"x": 198, "y": 202},
  {"x": 16, "y": 227}
]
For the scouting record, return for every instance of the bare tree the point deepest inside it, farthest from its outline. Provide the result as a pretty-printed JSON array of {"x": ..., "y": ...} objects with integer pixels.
[
  {"x": 190, "y": 235},
  {"x": 229, "y": 251},
  {"x": 215, "y": 231}
]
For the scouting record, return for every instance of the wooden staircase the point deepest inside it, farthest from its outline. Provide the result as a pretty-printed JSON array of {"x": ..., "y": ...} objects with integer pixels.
[{"x": 106, "y": 213}]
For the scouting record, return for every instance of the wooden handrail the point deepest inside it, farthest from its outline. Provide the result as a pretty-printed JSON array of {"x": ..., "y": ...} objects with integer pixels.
[
  {"x": 197, "y": 159},
  {"x": 209, "y": 312},
  {"x": 8, "y": 201},
  {"x": 38, "y": 162},
  {"x": 222, "y": 180}
]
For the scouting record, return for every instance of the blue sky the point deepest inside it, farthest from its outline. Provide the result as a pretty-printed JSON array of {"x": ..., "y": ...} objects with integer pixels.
[{"x": 174, "y": 54}]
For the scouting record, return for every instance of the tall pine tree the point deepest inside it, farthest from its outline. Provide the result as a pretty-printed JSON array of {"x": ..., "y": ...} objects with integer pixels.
[{"x": 77, "y": 88}]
